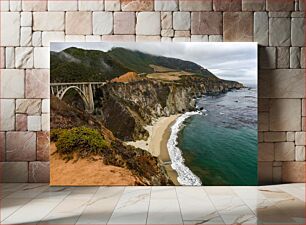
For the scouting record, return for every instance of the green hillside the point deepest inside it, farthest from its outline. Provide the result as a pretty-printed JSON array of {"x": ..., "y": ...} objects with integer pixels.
[
  {"x": 75, "y": 64},
  {"x": 140, "y": 62}
]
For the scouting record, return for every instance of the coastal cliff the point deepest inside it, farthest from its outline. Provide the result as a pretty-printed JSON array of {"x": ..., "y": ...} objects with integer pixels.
[
  {"x": 69, "y": 123},
  {"x": 139, "y": 88},
  {"x": 126, "y": 108}
]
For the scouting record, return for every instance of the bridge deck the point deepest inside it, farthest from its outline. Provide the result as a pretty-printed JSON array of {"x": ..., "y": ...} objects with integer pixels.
[{"x": 76, "y": 83}]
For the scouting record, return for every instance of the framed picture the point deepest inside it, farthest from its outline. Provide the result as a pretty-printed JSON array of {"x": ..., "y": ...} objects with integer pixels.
[{"x": 153, "y": 114}]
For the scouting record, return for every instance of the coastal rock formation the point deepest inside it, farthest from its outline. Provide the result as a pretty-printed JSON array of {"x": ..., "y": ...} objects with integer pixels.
[
  {"x": 126, "y": 108},
  {"x": 146, "y": 169},
  {"x": 138, "y": 88},
  {"x": 127, "y": 77}
]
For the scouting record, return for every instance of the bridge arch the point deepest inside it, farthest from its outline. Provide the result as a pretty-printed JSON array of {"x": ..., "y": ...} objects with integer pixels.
[
  {"x": 88, "y": 104},
  {"x": 86, "y": 91}
]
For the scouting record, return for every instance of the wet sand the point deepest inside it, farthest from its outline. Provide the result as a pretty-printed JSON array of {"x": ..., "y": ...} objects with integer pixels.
[
  {"x": 159, "y": 134},
  {"x": 164, "y": 155}
]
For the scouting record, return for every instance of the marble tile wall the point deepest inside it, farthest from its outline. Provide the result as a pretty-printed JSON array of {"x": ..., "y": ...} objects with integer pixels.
[{"x": 28, "y": 27}]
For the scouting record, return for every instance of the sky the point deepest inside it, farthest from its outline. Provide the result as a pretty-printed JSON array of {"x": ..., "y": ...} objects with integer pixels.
[{"x": 227, "y": 60}]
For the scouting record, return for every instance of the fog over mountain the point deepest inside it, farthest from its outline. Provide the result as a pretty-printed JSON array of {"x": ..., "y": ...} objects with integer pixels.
[{"x": 230, "y": 61}]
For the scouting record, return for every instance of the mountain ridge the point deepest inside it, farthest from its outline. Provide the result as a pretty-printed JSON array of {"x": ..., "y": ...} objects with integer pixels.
[
  {"x": 71, "y": 64},
  {"x": 140, "y": 88}
]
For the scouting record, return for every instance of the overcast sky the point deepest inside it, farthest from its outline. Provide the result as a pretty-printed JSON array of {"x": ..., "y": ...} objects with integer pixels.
[{"x": 232, "y": 61}]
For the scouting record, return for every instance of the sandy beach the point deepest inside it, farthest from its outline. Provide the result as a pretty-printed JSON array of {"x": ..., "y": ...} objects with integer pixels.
[{"x": 156, "y": 144}]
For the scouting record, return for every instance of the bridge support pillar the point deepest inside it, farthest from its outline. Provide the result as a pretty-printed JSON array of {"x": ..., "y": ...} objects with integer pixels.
[
  {"x": 85, "y": 90},
  {"x": 89, "y": 96}
]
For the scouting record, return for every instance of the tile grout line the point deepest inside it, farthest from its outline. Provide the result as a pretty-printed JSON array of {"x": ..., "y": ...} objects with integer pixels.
[
  {"x": 247, "y": 204},
  {"x": 3, "y": 219},
  {"x": 55, "y": 207},
  {"x": 214, "y": 205},
  {"x": 149, "y": 205},
  {"x": 31, "y": 199},
  {"x": 87, "y": 205},
  {"x": 24, "y": 185},
  {"x": 179, "y": 205},
  {"x": 116, "y": 205},
  {"x": 265, "y": 5}
]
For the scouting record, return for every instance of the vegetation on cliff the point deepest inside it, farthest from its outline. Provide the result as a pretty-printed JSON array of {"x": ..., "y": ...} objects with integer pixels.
[
  {"x": 141, "y": 62},
  {"x": 126, "y": 108},
  {"x": 140, "y": 87},
  {"x": 79, "y": 65},
  {"x": 80, "y": 139}
]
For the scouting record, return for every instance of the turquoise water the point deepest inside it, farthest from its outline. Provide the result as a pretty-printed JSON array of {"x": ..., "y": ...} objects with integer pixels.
[{"x": 220, "y": 146}]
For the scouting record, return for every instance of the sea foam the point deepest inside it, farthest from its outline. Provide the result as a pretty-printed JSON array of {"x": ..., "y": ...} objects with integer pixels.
[{"x": 185, "y": 175}]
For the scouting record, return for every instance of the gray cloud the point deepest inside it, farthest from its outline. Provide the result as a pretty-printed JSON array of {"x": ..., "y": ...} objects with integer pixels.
[{"x": 232, "y": 61}]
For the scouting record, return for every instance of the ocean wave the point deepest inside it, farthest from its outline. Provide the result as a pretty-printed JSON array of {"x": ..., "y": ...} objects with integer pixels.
[{"x": 185, "y": 175}]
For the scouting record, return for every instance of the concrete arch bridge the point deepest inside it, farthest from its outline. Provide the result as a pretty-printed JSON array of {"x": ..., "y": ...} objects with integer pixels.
[{"x": 86, "y": 90}]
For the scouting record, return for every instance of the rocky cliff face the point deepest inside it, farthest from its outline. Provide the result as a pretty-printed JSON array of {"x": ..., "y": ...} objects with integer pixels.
[
  {"x": 125, "y": 108},
  {"x": 140, "y": 87},
  {"x": 146, "y": 168}
]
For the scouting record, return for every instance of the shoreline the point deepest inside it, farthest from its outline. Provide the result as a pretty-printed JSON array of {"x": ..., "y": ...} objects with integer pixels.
[
  {"x": 165, "y": 157},
  {"x": 156, "y": 144}
]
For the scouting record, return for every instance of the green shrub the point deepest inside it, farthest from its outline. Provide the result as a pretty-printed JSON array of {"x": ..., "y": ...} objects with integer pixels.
[
  {"x": 55, "y": 134},
  {"x": 81, "y": 140}
]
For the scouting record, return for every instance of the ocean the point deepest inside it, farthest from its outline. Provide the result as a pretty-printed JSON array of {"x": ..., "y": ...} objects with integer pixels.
[{"x": 218, "y": 145}]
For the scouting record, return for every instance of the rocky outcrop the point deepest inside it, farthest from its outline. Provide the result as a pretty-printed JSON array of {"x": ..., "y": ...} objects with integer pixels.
[
  {"x": 140, "y": 87},
  {"x": 125, "y": 108},
  {"x": 146, "y": 168},
  {"x": 127, "y": 77}
]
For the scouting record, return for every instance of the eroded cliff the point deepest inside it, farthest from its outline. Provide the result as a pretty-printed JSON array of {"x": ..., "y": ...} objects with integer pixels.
[
  {"x": 126, "y": 108},
  {"x": 68, "y": 121}
]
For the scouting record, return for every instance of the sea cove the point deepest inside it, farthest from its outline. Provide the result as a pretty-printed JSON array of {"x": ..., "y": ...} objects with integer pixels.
[
  {"x": 159, "y": 114},
  {"x": 220, "y": 145}
]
